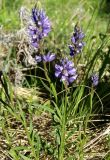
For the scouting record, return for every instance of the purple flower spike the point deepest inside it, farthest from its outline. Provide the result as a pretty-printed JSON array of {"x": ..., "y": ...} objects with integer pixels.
[
  {"x": 95, "y": 79},
  {"x": 66, "y": 71},
  {"x": 77, "y": 44},
  {"x": 38, "y": 58},
  {"x": 72, "y": 50},
  {"x": 49, "y": 57},
  {"x": 39, "y": 26}
]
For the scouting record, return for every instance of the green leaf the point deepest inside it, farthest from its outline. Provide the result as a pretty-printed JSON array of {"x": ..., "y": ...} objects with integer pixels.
[
  {"x": 46, "y": 108},
  {"x": 24, "y": 157}
]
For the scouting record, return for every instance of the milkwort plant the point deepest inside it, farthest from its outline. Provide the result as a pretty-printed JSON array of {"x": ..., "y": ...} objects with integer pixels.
[
  {"x": 70, "y": 94},
  {"x": 59, "y": 70}
]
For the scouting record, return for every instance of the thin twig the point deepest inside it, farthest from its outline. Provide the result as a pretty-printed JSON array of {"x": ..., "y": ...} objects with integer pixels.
[{"x": 94, "y": 141}]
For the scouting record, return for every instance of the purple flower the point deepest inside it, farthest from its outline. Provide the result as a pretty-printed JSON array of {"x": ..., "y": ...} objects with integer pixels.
[
  {"x": 77, "y": 44},
  {"x": 49, "y": 57},
  {"x": 38, "y": 58},
  {"x": 72, "y": 50},
  {"x": 66, "y": 71},
  {"x": 77, "y": 35},
  {"x": 95, "y": 79},
  {"x": 39, "y": 26}
]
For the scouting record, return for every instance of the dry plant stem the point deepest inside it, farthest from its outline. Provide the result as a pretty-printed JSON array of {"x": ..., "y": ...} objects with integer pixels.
[
  {"x": 6, "y": 154},
  {"x": 96, "y": 139}
]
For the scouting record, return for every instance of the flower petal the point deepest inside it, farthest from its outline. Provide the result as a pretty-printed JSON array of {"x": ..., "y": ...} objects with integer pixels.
[
  {"x": 57, "y": 73},
  {"x": 38, "y": 58},
  {"x": 71, "y": 79}
]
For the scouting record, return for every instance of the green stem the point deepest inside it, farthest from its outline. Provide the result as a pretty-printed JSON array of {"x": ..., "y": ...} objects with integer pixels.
[
  {"x": 49, "y": 80},
  {"x": 23, "y": 121},
  {"x": 30, "y": 141},
  {"x": 63, "y": 127},
  {"x": 91, "y": 98},
  {"x": 63, "y": 130}
]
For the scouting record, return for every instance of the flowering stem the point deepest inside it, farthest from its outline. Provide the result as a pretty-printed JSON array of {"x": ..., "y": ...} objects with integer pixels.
[
  {"x": 63, "y": 127},
  {"x": 63, "y": 130},
  {"x": 49, "y": 80},
  {"x": 91, "y": 97}
]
